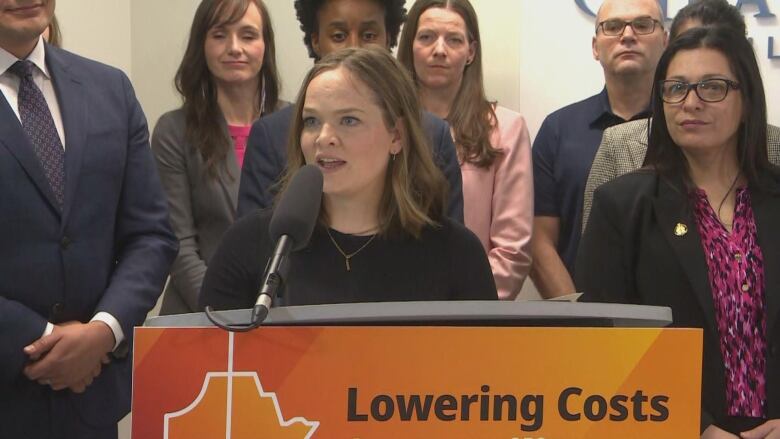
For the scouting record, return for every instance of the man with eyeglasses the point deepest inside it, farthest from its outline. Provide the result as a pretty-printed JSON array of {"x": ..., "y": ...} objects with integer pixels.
[
  {"x": 623, "y": 147},
  {"x": 628, "y": 42}
]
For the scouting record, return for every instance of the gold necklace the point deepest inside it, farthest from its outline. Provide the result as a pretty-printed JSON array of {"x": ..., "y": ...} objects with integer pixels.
[{"x": 349, "y": 256}]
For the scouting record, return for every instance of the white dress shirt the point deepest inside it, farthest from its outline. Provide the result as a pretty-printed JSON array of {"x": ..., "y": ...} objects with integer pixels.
[{"x": 9, "y": 86}]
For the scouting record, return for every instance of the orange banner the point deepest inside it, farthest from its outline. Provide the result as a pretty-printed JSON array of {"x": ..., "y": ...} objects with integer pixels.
[{"x": 416, "y": 382}]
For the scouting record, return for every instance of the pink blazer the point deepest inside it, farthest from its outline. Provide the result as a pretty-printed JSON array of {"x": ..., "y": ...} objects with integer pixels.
[{"x": 498, "y": 203}]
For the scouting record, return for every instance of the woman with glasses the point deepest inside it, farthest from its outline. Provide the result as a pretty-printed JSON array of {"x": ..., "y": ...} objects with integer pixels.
[
  {"x": 696, "y": 229},
  {"x": 440, "y": 46},
  {"x": 227, "y": 79}
]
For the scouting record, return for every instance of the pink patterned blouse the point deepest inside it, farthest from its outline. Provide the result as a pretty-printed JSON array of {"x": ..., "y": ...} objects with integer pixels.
[
  {"x": 239, "y": 134},
  {"x": 736, "y": 277}
]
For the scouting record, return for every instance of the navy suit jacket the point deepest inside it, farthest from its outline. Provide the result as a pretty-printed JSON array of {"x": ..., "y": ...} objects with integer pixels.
[
  {"x": 266, "y": 159},
  {"x": 109, "y": 249}
]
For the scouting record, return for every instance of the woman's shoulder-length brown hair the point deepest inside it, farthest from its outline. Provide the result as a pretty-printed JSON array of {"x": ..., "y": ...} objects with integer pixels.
[
  {"x": 415, "y": 190},
  {"x": 55, "y": 34},
  {"x": 472, "y": 117},
  {"x": 205, "y": 128}
]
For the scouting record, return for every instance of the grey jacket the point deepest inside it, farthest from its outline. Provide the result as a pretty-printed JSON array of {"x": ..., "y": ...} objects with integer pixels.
[
  {"x": 202, "y": 208},
  {"x": 623, "y": 149}
]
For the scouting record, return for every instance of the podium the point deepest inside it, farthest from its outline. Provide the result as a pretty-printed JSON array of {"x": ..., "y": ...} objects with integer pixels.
[
  {"x": 420, "y": 370},
  {"x": 473, "y": 313}
]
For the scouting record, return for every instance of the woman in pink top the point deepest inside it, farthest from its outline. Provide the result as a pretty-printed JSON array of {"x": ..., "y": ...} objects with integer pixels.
[
  {"x": 440, "y": 47},
  {"x": 227, "y": 79}
]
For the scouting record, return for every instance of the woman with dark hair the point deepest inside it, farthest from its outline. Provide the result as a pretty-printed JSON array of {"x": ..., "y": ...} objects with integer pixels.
[
  {"x": 623, "y": 146},
  {"x": 696, "y": 228},
  {"x": 227, "y": 80},
  {"x": 705, "y": 13},
  {"x": 320, "y": 41},
  {"x": 382, "y": 234},
  {"x": 440, "y": 46}
]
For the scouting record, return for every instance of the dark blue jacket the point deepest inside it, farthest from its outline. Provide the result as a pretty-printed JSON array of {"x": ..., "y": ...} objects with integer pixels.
[{"x": 109, "y": 249}]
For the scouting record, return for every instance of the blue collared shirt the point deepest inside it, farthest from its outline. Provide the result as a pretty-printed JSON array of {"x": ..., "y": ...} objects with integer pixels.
[{"x": 563, "y": 152}]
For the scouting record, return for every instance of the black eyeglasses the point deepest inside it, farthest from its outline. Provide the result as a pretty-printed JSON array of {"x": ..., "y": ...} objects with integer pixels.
[
  {"x": 615, "y": 27},
  {"x": 708, "y": 90}
]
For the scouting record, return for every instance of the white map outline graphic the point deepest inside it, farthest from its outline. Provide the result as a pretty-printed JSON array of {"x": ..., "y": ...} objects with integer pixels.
[{"x": 230, "y": 374}]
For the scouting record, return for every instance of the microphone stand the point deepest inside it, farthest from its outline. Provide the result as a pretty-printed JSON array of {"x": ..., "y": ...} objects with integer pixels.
[{"x": 275, "y": 272}]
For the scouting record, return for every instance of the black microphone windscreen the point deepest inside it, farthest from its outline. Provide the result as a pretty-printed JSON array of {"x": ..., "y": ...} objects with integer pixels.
[{"x": 296, "y": 213}]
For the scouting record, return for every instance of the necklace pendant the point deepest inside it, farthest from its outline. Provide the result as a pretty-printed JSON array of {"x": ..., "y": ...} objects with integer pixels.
[{"x": 346, "y": 259}]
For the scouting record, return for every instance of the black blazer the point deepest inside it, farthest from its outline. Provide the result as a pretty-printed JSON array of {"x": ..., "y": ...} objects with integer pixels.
[
  {"x": 266, "y": 159},
  {"x": 630, "y": 253}
]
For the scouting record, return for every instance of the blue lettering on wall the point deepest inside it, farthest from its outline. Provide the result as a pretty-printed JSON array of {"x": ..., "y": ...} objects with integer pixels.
[
  {"x": 665, "y": 9},
  {"x": 771, "y": 51},
  {"x": 584, "y": 8},
  {"x": 763, "y": 8}
]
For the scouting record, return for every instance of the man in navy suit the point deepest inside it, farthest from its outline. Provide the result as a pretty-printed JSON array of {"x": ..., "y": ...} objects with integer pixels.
[
  {"x": 329, "y": 25},
  {"x": 85, "y": 243}
]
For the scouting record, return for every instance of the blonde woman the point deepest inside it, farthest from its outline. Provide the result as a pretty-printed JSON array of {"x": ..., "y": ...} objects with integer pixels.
[{"x": 382, "y": 233}]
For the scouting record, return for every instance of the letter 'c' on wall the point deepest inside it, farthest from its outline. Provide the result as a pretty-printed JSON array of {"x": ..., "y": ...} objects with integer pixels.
[
  {"x": 763, "y": 8},
  {"x": 584, "y": 7}
]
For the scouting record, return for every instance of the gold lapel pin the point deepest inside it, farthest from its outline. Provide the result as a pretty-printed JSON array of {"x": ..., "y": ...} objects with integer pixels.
[{"x": 680, "y": 229}]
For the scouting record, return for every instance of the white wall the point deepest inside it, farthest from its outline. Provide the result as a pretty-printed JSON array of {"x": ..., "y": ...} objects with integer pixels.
[
  {"x": 97, "y": 29},
  {"x": 291, "y": 56},
  {"x": 537, "y": 54},
  {"x": 159, "y": 29}
]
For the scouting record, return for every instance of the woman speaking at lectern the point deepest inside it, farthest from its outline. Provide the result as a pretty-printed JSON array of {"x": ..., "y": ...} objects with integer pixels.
[{"x": 382, "y": 234}]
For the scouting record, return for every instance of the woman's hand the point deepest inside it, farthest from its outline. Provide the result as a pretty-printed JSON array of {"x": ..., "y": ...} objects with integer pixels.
[
  {"x": 713, "y": 432},
  {"x": 768, "y": 430}
]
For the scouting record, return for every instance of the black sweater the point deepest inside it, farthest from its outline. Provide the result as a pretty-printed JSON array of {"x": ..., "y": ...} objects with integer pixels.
[{"x": 446, "y": 263}]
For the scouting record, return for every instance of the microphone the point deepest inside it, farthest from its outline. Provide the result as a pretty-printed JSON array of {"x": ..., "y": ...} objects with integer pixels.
[{"x": 291, "y": 227}]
